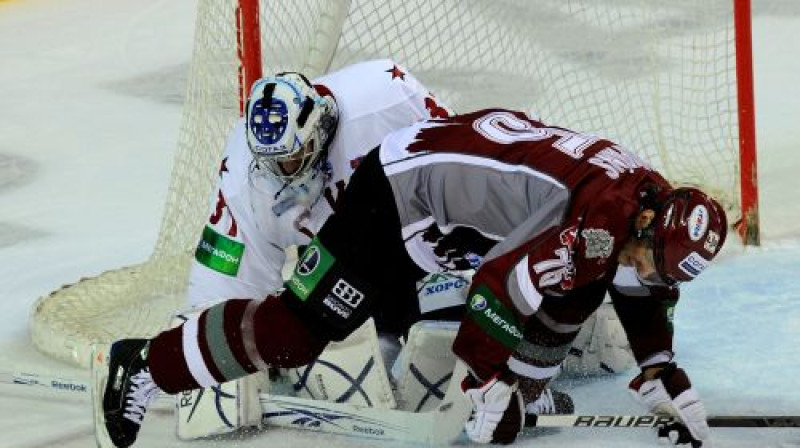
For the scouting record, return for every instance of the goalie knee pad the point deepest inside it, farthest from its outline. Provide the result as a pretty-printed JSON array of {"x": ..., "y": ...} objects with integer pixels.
[
  {"x": 424, "y": 368},
  {"x": 330, "y": 298},
  {"x": 350, "y": 371},
  {"x": 220, "y": 409},
  {"x": 601, "y": 346}
]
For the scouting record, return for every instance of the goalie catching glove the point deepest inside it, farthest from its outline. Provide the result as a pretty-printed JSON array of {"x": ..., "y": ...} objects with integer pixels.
[
  {"x": 498, "y": 410},
  {"x": 664, "y": 389}
]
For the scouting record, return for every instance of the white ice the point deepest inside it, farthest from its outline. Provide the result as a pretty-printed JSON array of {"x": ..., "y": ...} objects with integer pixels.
[{"x": 90, "y": 97}]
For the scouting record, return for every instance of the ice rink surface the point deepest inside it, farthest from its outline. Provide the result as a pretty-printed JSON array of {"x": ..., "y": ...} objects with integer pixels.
[{"x": 90, "y": 98}]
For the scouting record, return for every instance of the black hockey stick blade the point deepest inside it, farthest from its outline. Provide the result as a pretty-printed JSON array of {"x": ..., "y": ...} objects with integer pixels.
[
  {"x": 651, "y": 421},
  {"x": 765, "y": 421}
]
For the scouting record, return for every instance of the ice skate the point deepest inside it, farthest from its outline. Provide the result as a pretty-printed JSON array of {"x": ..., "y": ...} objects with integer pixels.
[{"x": 127, "y": 389}]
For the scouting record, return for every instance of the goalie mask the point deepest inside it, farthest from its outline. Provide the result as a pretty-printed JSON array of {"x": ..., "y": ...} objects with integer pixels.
[
  {"x": 688, "y": 232},
  {"x": 289, "y": 126}
]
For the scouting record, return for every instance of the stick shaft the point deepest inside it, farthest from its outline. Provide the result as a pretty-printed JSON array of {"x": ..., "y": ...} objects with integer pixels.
[
  {"x": 755, "y": 421},
  {"x": 58, "y": 384},
  {"x": 45, "y": 382}
]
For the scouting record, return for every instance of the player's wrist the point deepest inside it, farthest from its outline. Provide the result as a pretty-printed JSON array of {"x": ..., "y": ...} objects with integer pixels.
[{"x": 659, "y": 370}]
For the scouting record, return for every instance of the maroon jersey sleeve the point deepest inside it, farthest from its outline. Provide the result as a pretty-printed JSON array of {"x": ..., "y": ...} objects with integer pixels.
[
  {"x": 647, "y": 321},
  {"x": 507, "y": 289},
  {"x": 585, "y": 247}
]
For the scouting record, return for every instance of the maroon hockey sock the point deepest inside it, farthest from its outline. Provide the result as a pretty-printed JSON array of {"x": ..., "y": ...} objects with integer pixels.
[
  {"x": 283, "y": 340},
  {"x": 167, "y": 364},
  {"x": 216, "y": 344}
]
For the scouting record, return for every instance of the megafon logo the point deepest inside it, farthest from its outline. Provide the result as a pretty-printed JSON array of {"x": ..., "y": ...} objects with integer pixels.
[
  {"x": 309, "y": 262},
  {"x": 478, "y": 302}
]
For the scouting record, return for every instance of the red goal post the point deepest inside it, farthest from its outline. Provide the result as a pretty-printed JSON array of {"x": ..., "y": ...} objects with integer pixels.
[
  {"x": 747, "y": 225},
  {"x": 669, "y": 80}
]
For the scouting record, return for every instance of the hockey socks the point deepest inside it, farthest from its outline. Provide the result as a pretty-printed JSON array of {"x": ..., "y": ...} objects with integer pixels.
[{"x": 228, "y": 341}]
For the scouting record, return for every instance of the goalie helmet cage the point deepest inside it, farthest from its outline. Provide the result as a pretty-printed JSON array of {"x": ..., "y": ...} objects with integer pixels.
[{"x": 658, "y": 77}]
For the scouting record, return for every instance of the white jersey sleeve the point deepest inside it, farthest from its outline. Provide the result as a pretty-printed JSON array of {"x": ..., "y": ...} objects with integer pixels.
[{"x": 242, "y": 247}]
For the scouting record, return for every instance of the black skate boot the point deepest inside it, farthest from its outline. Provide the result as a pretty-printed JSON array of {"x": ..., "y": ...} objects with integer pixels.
[
  {"x": 551, "y": 402},
  {"x": 128, "y": 391}
]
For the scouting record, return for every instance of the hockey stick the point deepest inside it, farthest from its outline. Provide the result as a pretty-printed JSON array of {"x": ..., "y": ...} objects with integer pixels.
[
  {"x": 651, "y": 421},
  {"x": 436, "y": 427},
  {"x": 59, "y": 384},
  {"x": 301, "y": 413},
  {"x": 44, "y": 382}
]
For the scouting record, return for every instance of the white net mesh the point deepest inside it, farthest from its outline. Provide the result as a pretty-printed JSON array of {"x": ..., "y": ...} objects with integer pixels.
[{"x": 657, "y": 77}]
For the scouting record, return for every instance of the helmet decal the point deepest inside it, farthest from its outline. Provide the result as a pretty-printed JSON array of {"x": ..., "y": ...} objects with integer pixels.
[
  {"x": 693, "y": 264},
  {"x": 698, "y": 222},
  {"x": 268, "y": 124},
  {"x": 712, "y": 241},
  {"x": 688, "y": 232}
]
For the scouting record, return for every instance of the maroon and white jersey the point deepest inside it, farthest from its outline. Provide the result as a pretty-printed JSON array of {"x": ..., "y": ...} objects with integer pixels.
[
  {"x": 254, "y": 217},
  {"x": 542, "y": 210}
]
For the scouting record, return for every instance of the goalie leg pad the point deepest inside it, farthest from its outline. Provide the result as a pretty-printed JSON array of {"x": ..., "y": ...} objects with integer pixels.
[
  {"x": 601, "y": 347},
  {"x": 424, "y": 368},
  {"x": 220, "y": 409},
  {"x": 351, "y": 371}
]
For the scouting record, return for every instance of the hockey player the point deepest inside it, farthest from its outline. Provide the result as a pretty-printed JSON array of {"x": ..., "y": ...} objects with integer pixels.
[
  {"x": 284, "y": 167},
  {"x": 274, "y": 193},
  {"x": 553, "y": 218}
]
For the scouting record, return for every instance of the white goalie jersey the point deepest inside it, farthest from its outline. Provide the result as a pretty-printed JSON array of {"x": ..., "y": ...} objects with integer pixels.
[{"x": 254, "y": 217}]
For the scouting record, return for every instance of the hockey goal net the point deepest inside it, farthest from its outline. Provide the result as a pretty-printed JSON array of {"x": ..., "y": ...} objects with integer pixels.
[{"x": 659, "y": 77}]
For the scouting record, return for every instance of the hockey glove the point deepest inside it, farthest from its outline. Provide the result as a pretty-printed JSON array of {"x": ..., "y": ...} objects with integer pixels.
[
  {"x": 497, "y": 415},
  {"x": 664, "y": 389}
]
